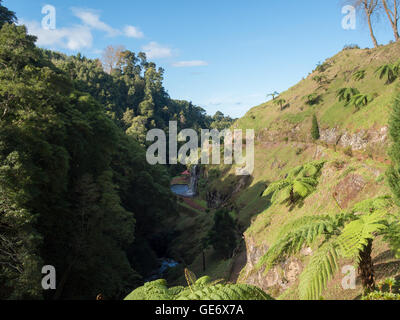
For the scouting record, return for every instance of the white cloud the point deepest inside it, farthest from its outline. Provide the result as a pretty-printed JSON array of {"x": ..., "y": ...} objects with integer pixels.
[
  {"x": 73, "y": 38},
  {"x": 92, "y": 20},
  {"x": 193, "y": 63},
  {"x": 154, "y": 50},
  {"x": 133, "y": 32},
  {"x": 80, "y": 36}
]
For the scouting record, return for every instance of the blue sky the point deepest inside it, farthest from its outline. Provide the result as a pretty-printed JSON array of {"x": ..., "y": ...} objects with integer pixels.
[{"x": 219, "y": 54}]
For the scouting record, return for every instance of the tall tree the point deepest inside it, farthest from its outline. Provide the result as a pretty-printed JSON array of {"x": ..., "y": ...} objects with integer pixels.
[
  {"x": 223, "y": 234},
  {"x": 112, "y": 57},
  {"x": 273, "y": 95},
  {"x": 369, "y": 7},
  {"x": 6, "y": 16},
  {"x": 391, "y": 9}
]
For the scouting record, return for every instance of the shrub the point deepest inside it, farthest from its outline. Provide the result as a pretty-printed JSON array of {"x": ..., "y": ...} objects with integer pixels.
[
  {"x": 351, "y": 47},
  {"x": 338, "y": 164},
  {"x": 348, "y": 151},
  {"x": 315, "y": 129}
]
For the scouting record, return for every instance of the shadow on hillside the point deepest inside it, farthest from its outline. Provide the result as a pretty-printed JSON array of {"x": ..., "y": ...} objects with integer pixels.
[
  {"x": 245, "y": 200},
  {"x": 388, "y": 270},
  {"x": 238, "y": 195},
  {"x": 386, "y": 265},
  {"x": 384, "y": 257}
]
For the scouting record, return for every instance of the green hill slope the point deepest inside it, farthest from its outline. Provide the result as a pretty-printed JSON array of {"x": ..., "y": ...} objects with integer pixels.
[{"x": 353, "y": 143}]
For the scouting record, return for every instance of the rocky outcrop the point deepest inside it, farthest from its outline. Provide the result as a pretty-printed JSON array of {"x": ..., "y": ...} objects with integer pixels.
[
  {"x": 281, "y": 277},
  {"x": 357, "y": 141},
  {"x": 348, "y": 189},
  {"x": 360, "y": 140}
]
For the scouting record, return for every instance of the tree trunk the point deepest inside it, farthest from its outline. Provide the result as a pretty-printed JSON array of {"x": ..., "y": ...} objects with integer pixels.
[
  {"x": 204, "y": 262},
  {"x": 291, "y": 196},
  {"x": 366, "y": 268},
  {"x": 393, "y": 17},
  {"x": 371, "y": 30}
]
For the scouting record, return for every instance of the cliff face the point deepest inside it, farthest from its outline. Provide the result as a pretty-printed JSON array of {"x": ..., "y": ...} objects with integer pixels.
[
  {"x": 362, "y": 140},
  {"x": 279, "y": 278}
]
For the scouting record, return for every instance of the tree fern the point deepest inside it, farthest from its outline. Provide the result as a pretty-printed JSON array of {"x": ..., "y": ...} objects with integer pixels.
[
  {"x": 324, "y": 262},
  {"x": 202, "y": 289},
  {"x": 299, "y": 183},
  {"x": 300, "y": 233},
  {"x": 370, "y": 205},
  {"x": 280, "y": 102},
  {"x": 388, "y": 71},
  {"x": 359, "y": 75},
  {"x": 345, "y": 94},
  {"x": 356, "y": 234},
  {"x": 345, "y": 235},
  {"x": 360, "y": 100}
]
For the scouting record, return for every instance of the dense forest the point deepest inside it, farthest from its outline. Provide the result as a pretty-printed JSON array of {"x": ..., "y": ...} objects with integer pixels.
[{"x": 76, "y": 191}]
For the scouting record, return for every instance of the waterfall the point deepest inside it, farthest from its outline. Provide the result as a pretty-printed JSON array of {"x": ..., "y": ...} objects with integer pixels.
[{"x": 192, "y": 191}]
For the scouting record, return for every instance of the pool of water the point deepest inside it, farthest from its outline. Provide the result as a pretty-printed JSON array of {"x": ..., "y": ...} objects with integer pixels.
[{"x": 182, "y": 190}]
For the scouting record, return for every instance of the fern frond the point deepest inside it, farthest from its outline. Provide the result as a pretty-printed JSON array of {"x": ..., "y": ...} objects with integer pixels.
[
  {"x": 294, "y": 236},
  {"x": 371, "y": 205},
  {"x": 275, "y": 187},
  {"x": 203, "y": 289},
  {"x": 156, "y": 290},
  {"x": 226, "y": 292},
  {"x": 190, "y": 278},
  {"x": 356, "y": 234},
  {"x": 359, "y": 75},
  {"x": 388, "y": 71},
  {"x": 312, "y": 169},
  {"x": 303, "y": 189},
  {"x": 319, "y": 271}
]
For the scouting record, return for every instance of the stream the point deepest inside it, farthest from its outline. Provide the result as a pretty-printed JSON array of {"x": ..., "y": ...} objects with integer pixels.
[
  {"x": 188, "y": 191},
  {"x": 165, "y": 265}
]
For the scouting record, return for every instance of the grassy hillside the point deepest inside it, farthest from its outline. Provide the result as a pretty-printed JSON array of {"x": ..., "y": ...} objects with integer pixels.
[
  {"x": 337, "y": 73},
  {"x": 356, "y": 160}
]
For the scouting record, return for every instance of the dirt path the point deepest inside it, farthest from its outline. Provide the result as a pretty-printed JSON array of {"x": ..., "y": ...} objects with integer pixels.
[{"x": 193, "y": 204}]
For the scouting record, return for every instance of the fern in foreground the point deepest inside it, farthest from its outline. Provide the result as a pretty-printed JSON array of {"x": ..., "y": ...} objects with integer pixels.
[
  {"x": 345, "y": 235},
  {"x": 202, "y": 289}
]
